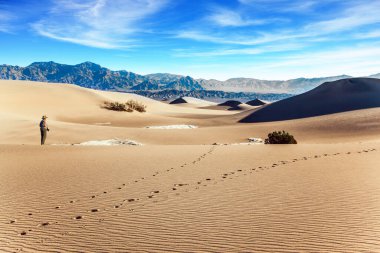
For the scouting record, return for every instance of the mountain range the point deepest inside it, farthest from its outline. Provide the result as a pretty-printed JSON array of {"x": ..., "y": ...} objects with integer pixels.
[{"x": 94, "y": 76}]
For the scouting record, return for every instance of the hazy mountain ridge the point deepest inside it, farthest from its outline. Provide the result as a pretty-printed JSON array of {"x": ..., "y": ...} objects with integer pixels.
[
  {"x": 375, "y": 76},
  {"x": 94, "y": 76},
  {"x": 298, "y": 85},
  {"x": 212, "y": 95}
]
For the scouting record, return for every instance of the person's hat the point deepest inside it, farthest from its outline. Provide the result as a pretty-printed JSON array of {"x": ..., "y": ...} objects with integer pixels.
[{"x": 44, "y": 117}]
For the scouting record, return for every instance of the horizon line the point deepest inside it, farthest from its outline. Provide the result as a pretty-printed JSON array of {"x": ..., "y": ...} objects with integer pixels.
[{"x": 184, "y": 75}]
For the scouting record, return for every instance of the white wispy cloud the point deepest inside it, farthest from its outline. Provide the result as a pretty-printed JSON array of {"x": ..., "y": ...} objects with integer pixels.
[
  {"x": 236, "y": 39},
  {"x": 368, "y": 35},
  {"x": 239, "y": 51},
  {"x": 227, "y": 17},
  {"x": 355, "y": 16},
  {"x": 343, "y": 55},
  {"x": 97, "y": 23},
  {"x": 6, "y": 19},
  {"x": 346, "y": 20},
  {"x": 359, "y": 60},
  {"x": 284, "y": 5}
]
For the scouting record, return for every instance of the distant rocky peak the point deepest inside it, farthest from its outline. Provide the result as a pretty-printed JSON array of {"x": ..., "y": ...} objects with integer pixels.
[
  {"x": 89, "y": 65},
  {"x": 44, "y": 64}
]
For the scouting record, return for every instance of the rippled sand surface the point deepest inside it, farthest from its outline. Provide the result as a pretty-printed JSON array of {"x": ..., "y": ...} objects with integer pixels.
[
  {"x": 301, "y": 198},
  {"x": 176, "y": 192}
]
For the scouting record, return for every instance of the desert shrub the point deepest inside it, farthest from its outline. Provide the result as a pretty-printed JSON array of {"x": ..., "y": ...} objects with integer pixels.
[
  {"x": 115, "y": 106},
  {"x": 280, "y": 137},
  {"x": 129, "y": 106},
  {"x": 136, "y": 106}
]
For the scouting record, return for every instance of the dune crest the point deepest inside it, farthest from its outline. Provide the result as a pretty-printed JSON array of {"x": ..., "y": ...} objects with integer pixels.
[
  {"x": 192, "y": 101},
  {"x": 256, "y": 102},
  {"x": 328, "y": 98},
  {"x": 173, "y": 127},
  {"x": 181, "y": 191}
]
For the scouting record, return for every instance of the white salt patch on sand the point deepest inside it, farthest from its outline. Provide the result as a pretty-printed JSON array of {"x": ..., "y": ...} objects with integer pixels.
[
  {"x": 256, "y": 140},
  {"x": 173, "y": 127},
  {"x": 111, "y": 142},
  {"x": 252, "y": 141}
]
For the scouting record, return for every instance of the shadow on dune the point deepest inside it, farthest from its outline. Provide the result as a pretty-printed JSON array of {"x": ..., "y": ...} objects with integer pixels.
[
  {"x": 235, "y": 108},
  {"x": 255, "y": 102},
  {"x": 230, "y": 103},
  {"x": 180, "y": 100},
  {"x": 328, "y": 98}
]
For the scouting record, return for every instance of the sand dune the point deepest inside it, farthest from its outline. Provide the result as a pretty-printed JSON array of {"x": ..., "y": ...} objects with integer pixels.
[
  {"x": 332, "y": 97},
  {"x": 256, "y": 102},
  {"x": 71, "y": 103},
  {"x": 198, "y": 199},
  {"x": 177, "y": 192},
  {"x": 81, "y": 118},
  {"x": 231, "y": 103},
  {"x": 192, "y": 101}
]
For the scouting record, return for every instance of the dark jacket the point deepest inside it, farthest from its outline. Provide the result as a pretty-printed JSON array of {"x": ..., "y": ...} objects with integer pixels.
[{"x": 43, "y": 124}]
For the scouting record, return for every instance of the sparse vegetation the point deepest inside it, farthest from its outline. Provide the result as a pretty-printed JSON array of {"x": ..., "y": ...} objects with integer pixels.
[
  {"x": 115, "y": 106},
  {"x": 136, "y": 106},
  {"x": 129, "y": 106},
  {"x": 280, "y": 137}
]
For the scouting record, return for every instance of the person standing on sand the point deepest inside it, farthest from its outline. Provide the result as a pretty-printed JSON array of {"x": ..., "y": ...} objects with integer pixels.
[{"x": 44, "y": 129}]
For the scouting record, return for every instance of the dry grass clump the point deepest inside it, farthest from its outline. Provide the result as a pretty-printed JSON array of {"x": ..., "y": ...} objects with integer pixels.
[
  {"x": 136, "y": 106},
  {"x": 129, "y": 106},
  {"x": 115, "y": 106}
]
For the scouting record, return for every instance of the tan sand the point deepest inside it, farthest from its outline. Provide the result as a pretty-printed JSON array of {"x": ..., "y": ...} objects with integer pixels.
[
  {"x": 75, "y": 115},
  {"x": 178, "y": 193},
  {"x": 199, "y": 198}
]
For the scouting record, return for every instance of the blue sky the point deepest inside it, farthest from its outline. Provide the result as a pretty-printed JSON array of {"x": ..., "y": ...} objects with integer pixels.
[{"x": 265, "y": 39}]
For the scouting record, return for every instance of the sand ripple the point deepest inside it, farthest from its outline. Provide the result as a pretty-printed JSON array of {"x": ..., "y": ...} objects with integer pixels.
[{"x": 312, "y": 202}]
